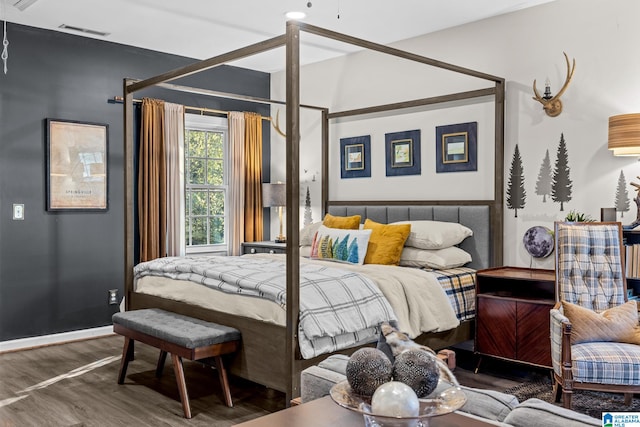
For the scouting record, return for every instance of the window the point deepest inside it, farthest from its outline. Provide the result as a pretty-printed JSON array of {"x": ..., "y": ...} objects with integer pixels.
[{"x": 206, "y": 183}]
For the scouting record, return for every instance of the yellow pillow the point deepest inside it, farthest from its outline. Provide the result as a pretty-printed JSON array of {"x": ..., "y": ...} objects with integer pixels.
[
  {"x": 617, "y": 324},
  {"x": 344, "y": 222},
  {"x": 386, "y": 242}
]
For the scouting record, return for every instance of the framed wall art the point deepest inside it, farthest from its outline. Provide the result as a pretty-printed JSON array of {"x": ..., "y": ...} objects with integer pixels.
[
  {"x": 76, "y": 165},
  {"x": 457, "y": 147},
  {"x": 355, "y": 157},
  {"x": 403, "y": 153}
]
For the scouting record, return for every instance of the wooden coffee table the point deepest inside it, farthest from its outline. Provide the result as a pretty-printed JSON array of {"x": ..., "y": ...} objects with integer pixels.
[{"x": 324, "y": 412}]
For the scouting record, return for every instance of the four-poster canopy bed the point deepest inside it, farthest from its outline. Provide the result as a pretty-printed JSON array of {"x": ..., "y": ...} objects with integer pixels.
[{"x": 270, "y": 354}]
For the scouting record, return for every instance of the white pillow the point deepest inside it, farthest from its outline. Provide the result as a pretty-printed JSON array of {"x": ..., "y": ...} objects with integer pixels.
[
  {"x": 439, "y": 259},
  {"x": 308, "y": 232},
  {"x": 435, "y": 234},
  {"x": 337, "y": 244}
]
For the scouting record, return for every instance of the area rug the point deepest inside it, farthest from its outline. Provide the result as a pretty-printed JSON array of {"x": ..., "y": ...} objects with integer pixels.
[{"x": 592, "y": 403}]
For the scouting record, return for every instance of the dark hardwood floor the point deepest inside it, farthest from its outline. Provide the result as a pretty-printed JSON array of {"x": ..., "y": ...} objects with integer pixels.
[{"x": 75, "y": 384}]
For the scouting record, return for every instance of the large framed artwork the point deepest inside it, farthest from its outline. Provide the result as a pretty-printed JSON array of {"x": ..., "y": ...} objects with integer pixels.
[
  {"x": 457, "y": 147},
  {"x": 403, "y": 153},
  {"x": 76, "y": 165},
  {"x": 355, "y": 157}
]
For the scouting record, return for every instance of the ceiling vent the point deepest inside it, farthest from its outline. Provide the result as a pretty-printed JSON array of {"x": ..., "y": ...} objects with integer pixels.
[
  {"x": 84, "y": 30},
  {"x": 23, "y": 4}
]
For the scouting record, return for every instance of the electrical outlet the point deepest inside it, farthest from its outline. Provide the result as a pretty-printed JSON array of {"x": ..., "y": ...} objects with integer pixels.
[
  {"x": 18, "y": 211},
  {"x": 113, "y": 297}
]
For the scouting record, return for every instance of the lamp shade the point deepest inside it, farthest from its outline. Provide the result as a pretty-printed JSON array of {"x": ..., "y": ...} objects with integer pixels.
[
  {"x": 624, "y": 134},
  {"x": 274, "y": 195}
]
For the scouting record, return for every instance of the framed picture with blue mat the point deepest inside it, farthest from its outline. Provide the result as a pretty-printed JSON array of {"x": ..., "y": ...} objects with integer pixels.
[
  {"x": 403, "y": 153},
  {"x": 457, "y": 147},
  {"x": 355, "y": 157}
]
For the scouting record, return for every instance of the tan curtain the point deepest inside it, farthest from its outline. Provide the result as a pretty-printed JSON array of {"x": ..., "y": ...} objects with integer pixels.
[
  {"x": 174, "y": 154},
  {"x": 253, "y": 177},
  {"x": 151, "y": 181},
  {"x": 236, "y": 182}
]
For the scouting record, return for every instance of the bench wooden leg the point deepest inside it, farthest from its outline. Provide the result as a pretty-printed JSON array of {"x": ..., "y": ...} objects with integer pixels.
[
  {"x": 161, "y": 361},
  {"x": 182, "y": 385},
  {"x": 222, "y": 375},
  {"x": 127, "y": 355}
]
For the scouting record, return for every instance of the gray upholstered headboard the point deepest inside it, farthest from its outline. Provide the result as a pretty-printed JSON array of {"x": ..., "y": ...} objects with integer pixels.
[{"x": 477, "y": 218}]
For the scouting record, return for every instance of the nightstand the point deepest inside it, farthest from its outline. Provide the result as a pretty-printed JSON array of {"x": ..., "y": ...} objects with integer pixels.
[
  {"x": 266, "y": 247},
  {"x": 512, "y": 314}
]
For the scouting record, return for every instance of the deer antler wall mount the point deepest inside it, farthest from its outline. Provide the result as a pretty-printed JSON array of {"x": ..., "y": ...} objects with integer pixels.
[
  {"x": 552, "y": 104},
  {"x": 276, "y": 125}
]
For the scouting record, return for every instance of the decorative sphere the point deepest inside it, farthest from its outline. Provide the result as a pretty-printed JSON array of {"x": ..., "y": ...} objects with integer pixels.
[
  {"x": 395, "y": 399},
  {"x": 367, "y": 369},
  {"x": 418, "y": 370},
  {"x": 538, "y": 241}
]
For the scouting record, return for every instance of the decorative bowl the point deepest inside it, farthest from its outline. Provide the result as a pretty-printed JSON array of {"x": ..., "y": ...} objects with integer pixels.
[{"x": 438, "y": 403}]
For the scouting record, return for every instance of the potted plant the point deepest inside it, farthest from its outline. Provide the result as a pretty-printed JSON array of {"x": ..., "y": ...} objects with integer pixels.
[{"x": 575, "y": 216}]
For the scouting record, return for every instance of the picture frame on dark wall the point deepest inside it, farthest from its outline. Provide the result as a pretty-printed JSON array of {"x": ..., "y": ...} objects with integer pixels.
[
  {"x": 77, "y": 161},
  {"x": 355, "y": 157},
  {"x": 403, "y": 153},
  {"x": 457, "y": 147}
]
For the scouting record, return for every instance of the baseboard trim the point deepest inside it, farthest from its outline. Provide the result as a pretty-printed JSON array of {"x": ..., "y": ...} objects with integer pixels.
[{"x": 64, "y": 337}]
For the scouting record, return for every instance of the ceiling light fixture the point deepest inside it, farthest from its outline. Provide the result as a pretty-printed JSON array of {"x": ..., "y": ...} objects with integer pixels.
[{"x": 296, "y": 15}]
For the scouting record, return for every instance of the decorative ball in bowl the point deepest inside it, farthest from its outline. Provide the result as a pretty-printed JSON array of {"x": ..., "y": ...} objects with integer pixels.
[{"x": 446, "y": 399}]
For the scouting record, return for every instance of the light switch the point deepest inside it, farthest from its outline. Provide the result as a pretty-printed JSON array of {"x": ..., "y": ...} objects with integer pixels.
[{"x": 18, "y": 211}]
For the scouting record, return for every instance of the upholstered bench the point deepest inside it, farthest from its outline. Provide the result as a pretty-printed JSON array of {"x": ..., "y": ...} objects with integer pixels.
[{"x": 180, "y": 336}]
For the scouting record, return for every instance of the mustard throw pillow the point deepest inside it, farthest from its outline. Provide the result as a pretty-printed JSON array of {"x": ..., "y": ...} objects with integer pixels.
[
  {"x": 344, "y": 222},
  {"x": 617, "y": 324},
  {"x": 386, "y": 242}
]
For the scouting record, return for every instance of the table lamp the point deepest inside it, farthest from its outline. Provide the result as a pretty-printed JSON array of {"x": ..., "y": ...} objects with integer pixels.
[{"x": 275, "y": 195}]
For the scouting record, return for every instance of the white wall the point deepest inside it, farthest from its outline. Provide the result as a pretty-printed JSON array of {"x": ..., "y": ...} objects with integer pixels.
[{"x": 522, "y": 46}]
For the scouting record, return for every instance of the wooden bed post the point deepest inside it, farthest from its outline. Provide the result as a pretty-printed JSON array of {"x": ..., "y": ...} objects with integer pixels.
[
  {"x": 325, "y": 163},
  {"x": 293, "y": 208},
  {"x": 497, "y": 221},
  {"x": 129, "y": 180}
]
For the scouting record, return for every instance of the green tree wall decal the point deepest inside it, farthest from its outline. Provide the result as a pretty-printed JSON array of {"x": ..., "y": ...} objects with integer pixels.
[
  {"x": 308, "y": 219},
  {"x": 516, "y": 194},
  {"x": 561, "y": 186},
  {"x": 622, "y": 202},
  {"x": 543, "y": 183}
]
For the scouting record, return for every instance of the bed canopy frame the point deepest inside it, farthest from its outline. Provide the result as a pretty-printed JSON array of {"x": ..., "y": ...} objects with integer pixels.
[{"x": 291, "y": 41}]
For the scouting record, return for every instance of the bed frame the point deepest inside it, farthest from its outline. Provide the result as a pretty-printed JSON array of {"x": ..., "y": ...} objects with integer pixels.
[{"x": 282, "y": 370}]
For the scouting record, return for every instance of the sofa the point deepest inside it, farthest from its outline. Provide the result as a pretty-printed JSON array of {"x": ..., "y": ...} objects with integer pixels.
[{"x": 496, "y": 408}]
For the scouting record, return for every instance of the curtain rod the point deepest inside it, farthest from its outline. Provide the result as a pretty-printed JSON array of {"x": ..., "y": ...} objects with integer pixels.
[{"x": 120, "y": 100}]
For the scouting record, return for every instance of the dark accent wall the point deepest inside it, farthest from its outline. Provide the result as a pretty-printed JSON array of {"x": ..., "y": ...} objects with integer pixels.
[{"x": 56, "y": 267}]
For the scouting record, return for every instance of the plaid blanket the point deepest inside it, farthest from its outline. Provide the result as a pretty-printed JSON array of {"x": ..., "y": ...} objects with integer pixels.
[
  {"x": 334, "y": 303},
  {"x": 460, "y": 286}
]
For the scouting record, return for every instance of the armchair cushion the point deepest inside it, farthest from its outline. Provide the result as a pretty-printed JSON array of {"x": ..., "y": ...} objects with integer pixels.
[
  {"x": 619, "y": 324},
  {"x": 606, "y": 363}
]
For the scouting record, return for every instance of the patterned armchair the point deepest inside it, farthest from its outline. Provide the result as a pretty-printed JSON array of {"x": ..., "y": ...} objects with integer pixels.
[{"x": 590, "y": 274}]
